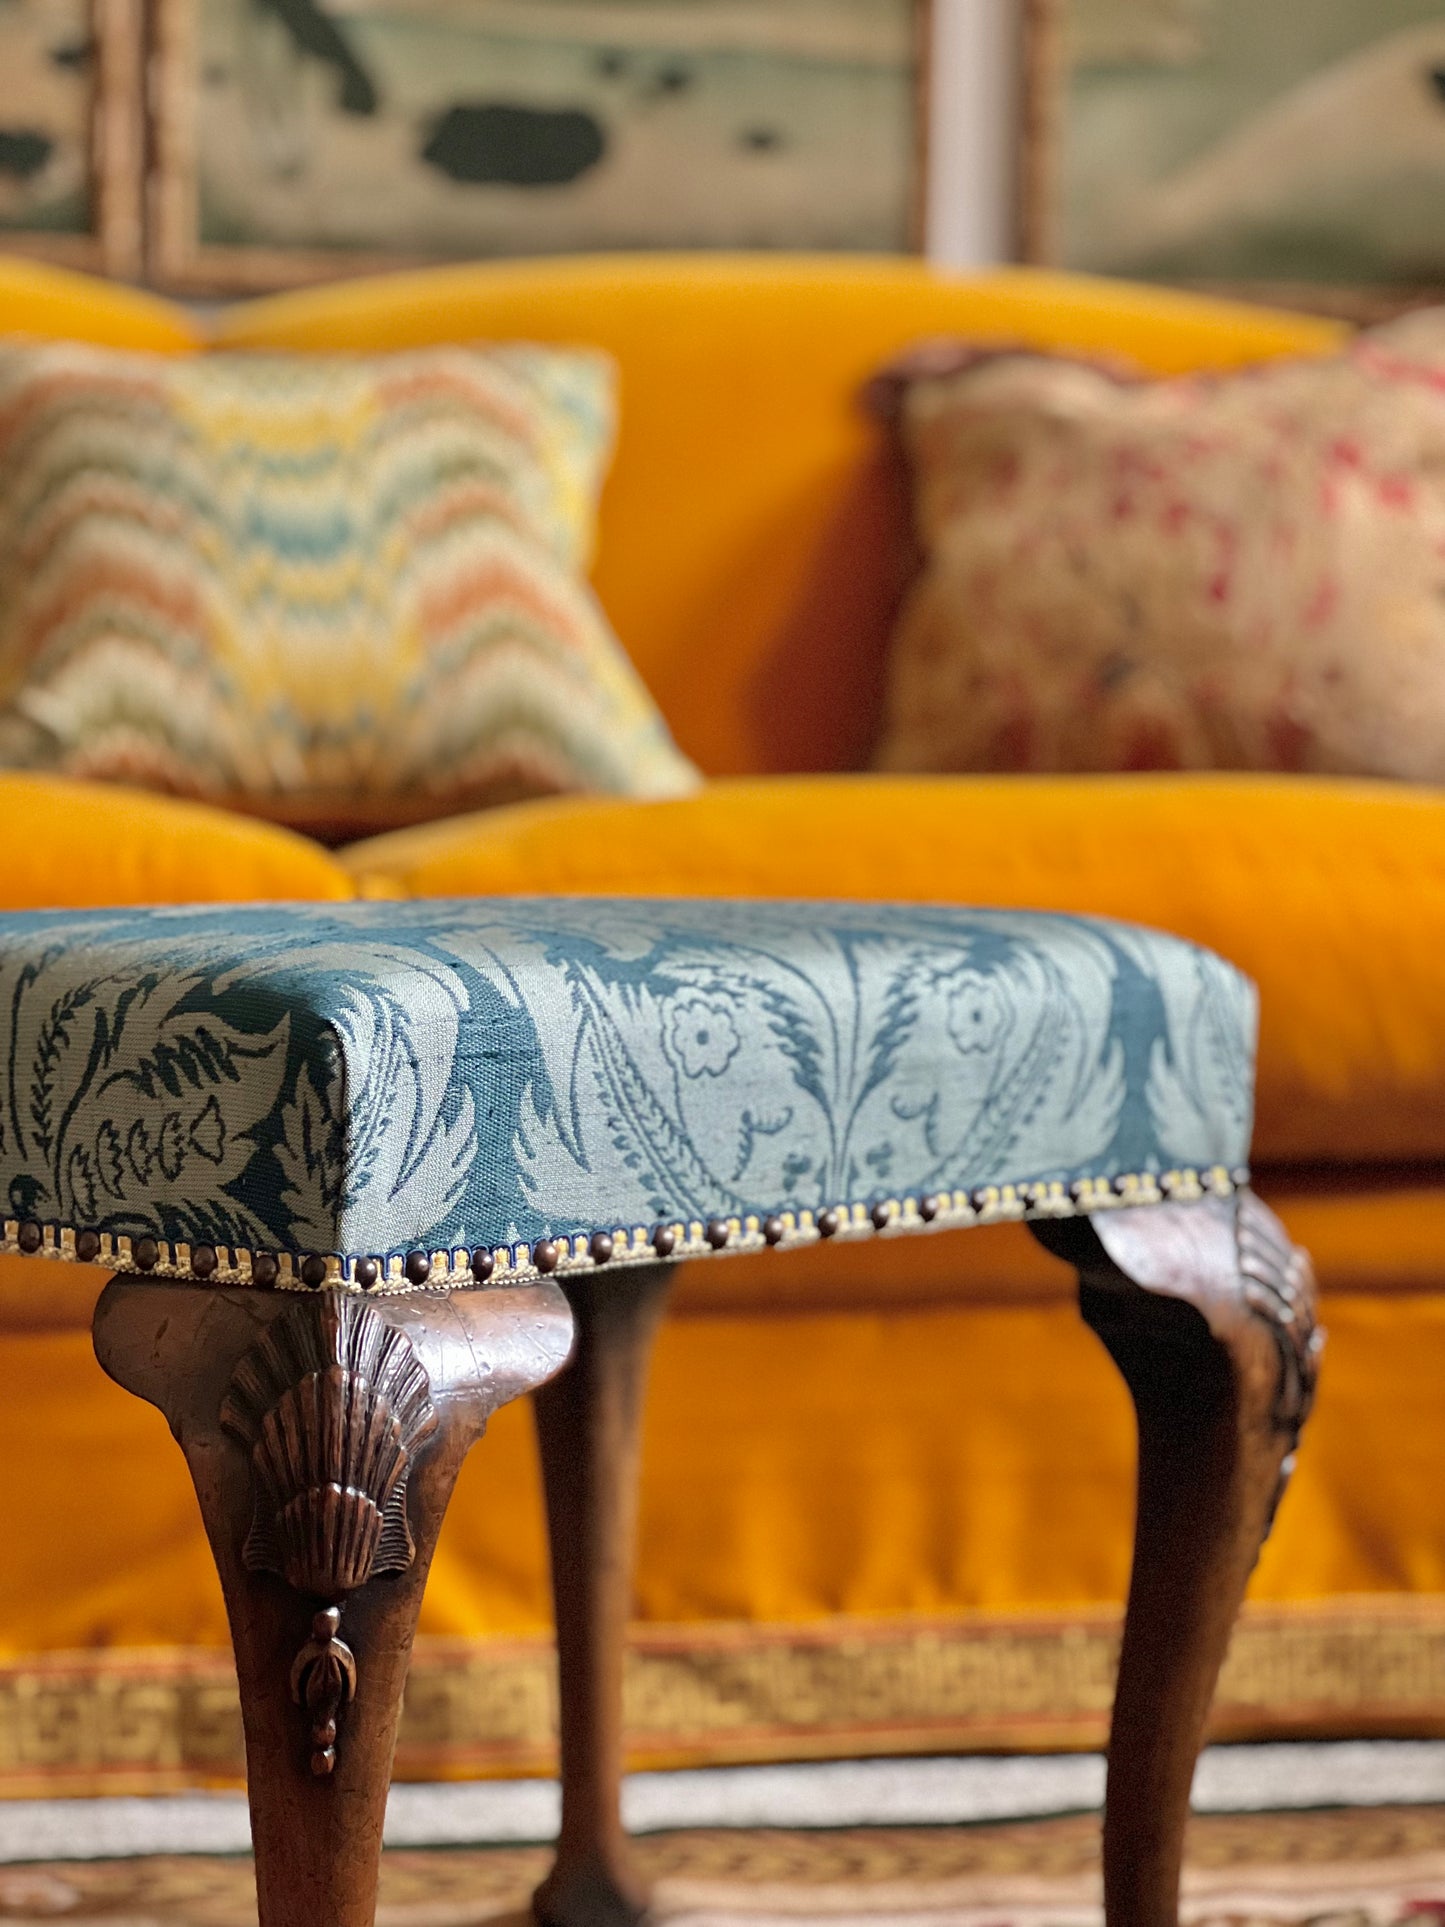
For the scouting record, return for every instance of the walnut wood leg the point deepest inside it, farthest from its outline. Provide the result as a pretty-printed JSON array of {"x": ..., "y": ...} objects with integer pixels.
[
  {"x": 589, "y": 1426},
  {"x": 1208, "y": 1310},
  {"x": 324, "y": 1432}
]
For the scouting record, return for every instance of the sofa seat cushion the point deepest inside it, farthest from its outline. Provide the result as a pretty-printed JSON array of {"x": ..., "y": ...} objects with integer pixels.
[
  {"x": 394, "y": 1095},
  {"x": 71, "y": 845},
  {"x": 1329, "y": 894}
]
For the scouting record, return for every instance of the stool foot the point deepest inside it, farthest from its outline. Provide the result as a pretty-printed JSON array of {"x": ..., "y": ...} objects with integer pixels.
[
  {"x": 575, "y": 1894},
  {"x": 324, "y": 1432},
  {"x": 588, "y": 1428},
  {"x": 1208, "y": 1311}
]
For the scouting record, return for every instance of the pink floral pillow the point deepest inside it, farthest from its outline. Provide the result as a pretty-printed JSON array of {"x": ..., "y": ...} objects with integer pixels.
[{"x": 1223, "y": 572}]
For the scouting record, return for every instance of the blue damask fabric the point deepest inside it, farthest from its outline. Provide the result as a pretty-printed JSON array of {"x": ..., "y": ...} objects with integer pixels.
[{"x": 370, "y": 1080}]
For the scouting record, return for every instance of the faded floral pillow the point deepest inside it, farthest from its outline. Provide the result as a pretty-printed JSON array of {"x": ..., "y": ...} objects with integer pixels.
[
  {"x": 1223, "y": 572},
  {"x": 344, "y": 592}
]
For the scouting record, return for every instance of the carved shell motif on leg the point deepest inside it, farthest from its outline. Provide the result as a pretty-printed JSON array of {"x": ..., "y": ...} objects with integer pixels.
[{"x": 331, "y": 1403}]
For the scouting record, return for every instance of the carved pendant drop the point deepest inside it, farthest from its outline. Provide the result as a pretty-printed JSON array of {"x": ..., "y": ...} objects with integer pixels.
[
  {"x": 332, "y": 1404},
  {"x": 322, "y": 1676}
]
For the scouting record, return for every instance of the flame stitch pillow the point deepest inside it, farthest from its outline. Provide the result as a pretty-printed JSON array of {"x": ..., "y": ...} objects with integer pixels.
[
  {"x": 1220, "y": 572},
  {"x": 341, "y": 591}
]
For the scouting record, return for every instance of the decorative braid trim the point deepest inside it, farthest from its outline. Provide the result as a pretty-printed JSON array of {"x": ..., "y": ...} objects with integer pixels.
[{"x": 459, "y": 1268}]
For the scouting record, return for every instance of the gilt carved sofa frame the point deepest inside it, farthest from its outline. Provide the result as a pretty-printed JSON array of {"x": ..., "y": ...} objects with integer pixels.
[{"x": 365, "y": 1173}]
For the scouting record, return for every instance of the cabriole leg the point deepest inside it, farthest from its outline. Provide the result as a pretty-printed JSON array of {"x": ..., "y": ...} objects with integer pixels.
[
  {"x": 589, "y": 1427},
  {"x": 324, "y": 1432},
  {"x": 1208, "y": 1311}
]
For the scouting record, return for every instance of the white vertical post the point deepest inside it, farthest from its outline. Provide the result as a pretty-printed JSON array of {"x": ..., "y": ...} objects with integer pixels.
[{"x": 974, "y": 119}]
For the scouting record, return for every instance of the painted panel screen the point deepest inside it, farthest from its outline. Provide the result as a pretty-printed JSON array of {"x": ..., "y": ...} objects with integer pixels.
[
  {"x": 47, "y": 63},
  {"x": 1240, "y": 140},
  {"x": 533, "y": 126}
]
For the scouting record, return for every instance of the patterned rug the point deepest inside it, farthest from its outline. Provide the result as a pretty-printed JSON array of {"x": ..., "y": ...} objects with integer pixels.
[{"x": 1382, "y": 1867}]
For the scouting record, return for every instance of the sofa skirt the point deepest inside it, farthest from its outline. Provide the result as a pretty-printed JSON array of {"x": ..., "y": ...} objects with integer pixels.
[
  {"x": 151, "y": 1721},
  {"x": 864, "y": 1529}
]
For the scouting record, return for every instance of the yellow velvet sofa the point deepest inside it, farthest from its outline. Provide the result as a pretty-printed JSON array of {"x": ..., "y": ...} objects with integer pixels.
[{"x": 901, "y": 1522}]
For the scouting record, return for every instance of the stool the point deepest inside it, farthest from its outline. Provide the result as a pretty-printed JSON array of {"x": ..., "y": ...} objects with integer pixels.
[{"x": 360, "y": 1170}]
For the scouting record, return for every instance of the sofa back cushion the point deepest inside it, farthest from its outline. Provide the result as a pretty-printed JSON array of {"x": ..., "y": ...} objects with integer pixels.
[
  {"x": 339, "y": 591},
  {"x": 753, "y": 541},
  {"x": 50, "y": 303}
]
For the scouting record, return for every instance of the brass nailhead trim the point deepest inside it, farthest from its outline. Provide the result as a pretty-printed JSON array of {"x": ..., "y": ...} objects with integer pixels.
[{"x": 449, "y": 1270}]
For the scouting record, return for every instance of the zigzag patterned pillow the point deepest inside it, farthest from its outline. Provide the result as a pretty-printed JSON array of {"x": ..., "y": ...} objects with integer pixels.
[{"x": 341, "y": 591}]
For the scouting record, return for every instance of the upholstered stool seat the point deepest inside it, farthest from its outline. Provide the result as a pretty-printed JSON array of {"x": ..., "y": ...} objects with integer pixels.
[
  {"x": 364, "y": 1167},
  {"x": 390, "y": 1095}
]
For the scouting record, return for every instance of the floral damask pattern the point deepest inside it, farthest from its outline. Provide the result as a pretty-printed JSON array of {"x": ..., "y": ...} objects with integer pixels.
[
  {"x": 373, "y": 1077},
  {"x": 701, "y": 1034}
]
